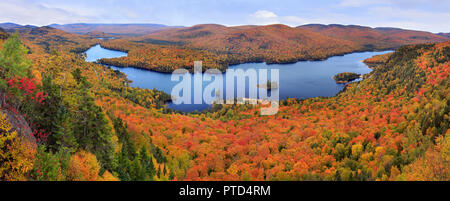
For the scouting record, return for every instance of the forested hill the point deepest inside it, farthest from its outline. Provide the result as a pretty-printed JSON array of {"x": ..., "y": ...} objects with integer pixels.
[
  {"x": 223, "y": 38},
  {"x": 51, "y": 126},
  {"x": 374, "y": 38},
  {"x": 391, "y": 126},
  {"x": 220, "y": 46},
  {"x": 50, "y": 39}
]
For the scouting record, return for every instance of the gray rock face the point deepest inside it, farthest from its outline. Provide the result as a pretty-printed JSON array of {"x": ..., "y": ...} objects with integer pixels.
[{"x": 19, "y": 124}]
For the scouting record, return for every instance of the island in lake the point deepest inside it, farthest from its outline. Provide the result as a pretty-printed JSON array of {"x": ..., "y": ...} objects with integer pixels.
[
  {"x": 269, "y": 85},
  {"x": 346, "y": 77}
]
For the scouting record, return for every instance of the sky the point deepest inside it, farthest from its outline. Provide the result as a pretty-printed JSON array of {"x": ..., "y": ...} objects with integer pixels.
[{"x": 426, "y": 15}]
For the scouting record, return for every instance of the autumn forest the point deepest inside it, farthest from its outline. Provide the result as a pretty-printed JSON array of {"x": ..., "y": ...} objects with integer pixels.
[{"x": 65, "y": 119}]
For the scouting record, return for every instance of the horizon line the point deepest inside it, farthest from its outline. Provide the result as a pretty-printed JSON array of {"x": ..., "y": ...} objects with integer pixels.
[{"x": 225, "y": 25}]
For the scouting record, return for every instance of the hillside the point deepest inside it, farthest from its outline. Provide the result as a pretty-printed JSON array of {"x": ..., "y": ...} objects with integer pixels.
[
  {"x": 55, "y": 94},
  {"x": 391, "y": 126},
  {"x": 220, "y": 46},
  {"x": 272, "y": 43},
  {"x": 374, "y": 38},
  {"x": 51, "y": 39}
]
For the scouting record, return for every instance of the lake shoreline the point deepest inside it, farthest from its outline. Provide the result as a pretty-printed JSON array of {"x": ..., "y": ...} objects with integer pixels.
[
  {"x": 300, "y": 80},
  {"x": 232, "y": 65}
]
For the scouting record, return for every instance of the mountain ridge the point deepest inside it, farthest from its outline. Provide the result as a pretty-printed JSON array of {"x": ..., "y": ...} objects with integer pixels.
[
  {"x": 220, "y": 46},
  {"x": 375, "y": 38},
  {"x": 115, "y": 29}
]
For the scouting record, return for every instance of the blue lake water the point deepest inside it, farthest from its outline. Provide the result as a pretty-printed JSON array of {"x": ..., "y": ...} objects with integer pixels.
[
  {"x": 304, "y": 79},
  {"x": 97, "y": 52}
]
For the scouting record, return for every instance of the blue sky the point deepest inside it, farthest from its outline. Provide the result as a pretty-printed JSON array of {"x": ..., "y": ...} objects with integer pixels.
[{"x": 428, "y": 15}]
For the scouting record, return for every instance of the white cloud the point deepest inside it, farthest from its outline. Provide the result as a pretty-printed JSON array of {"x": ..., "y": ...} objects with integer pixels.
[
  {"x": 294, "y": 20},
  {"x": 264, "y": 14},
  {"x": 263, "y": 17},
  {"x": 28, "y": 12}
]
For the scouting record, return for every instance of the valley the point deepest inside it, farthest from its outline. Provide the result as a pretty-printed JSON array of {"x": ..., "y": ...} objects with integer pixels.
[
  {"x": 83, "y": 121},
  {"x": 301, "y": 80}
]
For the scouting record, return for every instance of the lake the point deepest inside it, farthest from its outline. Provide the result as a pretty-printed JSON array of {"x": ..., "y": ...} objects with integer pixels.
[{"x": 304, "y": 79}]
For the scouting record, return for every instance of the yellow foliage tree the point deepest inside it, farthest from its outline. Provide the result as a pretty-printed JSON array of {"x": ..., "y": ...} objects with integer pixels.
[
  {"x": 16, "y": 155},
  {"x": 107, "y": 176},
  {"x": 83, "y": 166},
  {"x": 433, "y": 166}
]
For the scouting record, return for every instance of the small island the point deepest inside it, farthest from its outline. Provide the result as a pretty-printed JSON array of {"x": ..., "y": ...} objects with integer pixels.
[
  {"x": 346, "y": 77},
  {"x": 269, "y": 85}
]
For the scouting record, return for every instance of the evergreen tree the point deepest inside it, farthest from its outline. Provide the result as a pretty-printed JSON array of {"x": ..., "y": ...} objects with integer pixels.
[
  {"x": 54, "y": 118},
  {"x": 147, "y": 164},
  {"x": 158, "y": 153},
  {"x": 124, "y": 165},
  {"x": 12, "y": 61},
  {"x": 158, "y": 173},
  {"x": 47, "y": 166},
  {"x": 164, "y": 170},
  {"x": 136, "y": 171},
  {"x": 171, "y": 175},
  {"x": 124, "y": 137},
  {"x": 91, "y": 128},
  {"x": 63, "y": 135}
]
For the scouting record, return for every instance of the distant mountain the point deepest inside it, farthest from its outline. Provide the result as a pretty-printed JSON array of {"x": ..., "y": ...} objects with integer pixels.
[
  {"x": 447, "y": 35},
  {"x": 307, "y": 37},
  {"x": 272, "y": 43},
  {"x": 374, "y": 38},
  {"x": 276, "y": 43},
  {"x": 242, "y": 37},
  {"x": 9, "y": 25},
  {"x": 113, "y": 29}
]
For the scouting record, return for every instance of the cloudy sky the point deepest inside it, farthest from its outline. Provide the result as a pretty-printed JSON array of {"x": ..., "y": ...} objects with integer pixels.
[{"x": 428, "y": 15}]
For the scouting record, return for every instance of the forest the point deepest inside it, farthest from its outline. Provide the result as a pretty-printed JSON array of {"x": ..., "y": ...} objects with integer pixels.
[
  {"x": 66, "y": 119},
  {"x": 346, "y": 77},
  {"x": 220, "y": 46}
]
